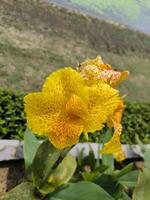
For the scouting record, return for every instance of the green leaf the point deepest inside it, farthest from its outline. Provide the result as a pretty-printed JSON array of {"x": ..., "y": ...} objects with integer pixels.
[
  {"x": 24, "y": 191},
  {"x": 142, "y": 189},
  {"x": 91, "y": 158},
  {"x": 90, "y": 176},
  {"x": 80, "y": 157},
  {"x": 108, "y": 160},
  {"x": 81, "y": 191},
  {"x": 43, "y": 164},
  {"x": 63, "y": 173},
  {"x": 110, "y": 184},
  {"x": 130, "y": 179},
  {"x": 31, "y": 144},
  {"x": 124, "y": 197},
  {"x": 146, "y": 153},
  {"x": 101, "y": 168},
  {"x": 125, "y": 170}
]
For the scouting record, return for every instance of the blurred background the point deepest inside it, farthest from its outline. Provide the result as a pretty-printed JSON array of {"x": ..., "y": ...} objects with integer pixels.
[{"x": 40, "y": 36}]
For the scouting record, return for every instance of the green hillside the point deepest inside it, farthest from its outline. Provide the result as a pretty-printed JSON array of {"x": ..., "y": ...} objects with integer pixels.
[
  {"x": 133, "y": 13},
  {"x": 36, "y": 38}
]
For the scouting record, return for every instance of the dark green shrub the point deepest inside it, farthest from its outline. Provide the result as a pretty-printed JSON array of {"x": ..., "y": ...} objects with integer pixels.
[
  {"x": 12, "y": 117},
  {"x": 136, "y": 119}
]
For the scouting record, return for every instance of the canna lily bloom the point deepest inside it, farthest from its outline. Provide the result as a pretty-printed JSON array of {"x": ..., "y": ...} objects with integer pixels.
[
  {"x": 95, "y": 71},
  {"x": 114, "y": 145},
  {"x": 66, "y": 107}
]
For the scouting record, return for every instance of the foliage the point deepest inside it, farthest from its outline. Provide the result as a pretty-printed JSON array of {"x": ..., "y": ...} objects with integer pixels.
[
  {"x": 24, "y": 191},
  {"x": 142, "y": 189},
  {"x": 79, "y": 192},
  {"x": 136, "y": 119},
  {"x": 31, "y": 145},
  {"x": 49, "y": 164},
  {"x": 103, "y": 173},
  {"x": 12, "y": 116}
]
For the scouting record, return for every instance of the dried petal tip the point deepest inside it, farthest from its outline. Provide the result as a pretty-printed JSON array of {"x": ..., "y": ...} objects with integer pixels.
[{"x": 95, "y": 71}]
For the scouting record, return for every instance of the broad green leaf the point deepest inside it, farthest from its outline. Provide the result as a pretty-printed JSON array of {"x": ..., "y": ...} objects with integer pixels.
[
  {"x": 108, "y": 160},
  {"x": 30, "y": 147},
  {"x": 81, "y": 191},
  {"x": 130, "y": 179},
  {"x": 142, "y": 189},
  {"x": 44, "y": 161},
  {"x": 24, "y": 191},
  {"x": 63, "y": 173},
  {"x": 110, "y": 184}
]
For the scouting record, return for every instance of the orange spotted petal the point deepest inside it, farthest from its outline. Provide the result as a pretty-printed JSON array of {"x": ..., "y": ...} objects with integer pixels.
[
  {"x": 114, "y": 146},
  {"x": 76, "y": 106},
  {"x": 66, "y": 131},
  {"x": 117, "y": 115},
  {"x": 112, "y": 77}
]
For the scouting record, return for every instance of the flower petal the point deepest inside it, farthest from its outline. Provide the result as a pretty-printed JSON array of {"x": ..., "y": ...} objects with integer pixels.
[
  {"x": 66, "y": 82},
  {"x": 103, "y": 100},
  {"x": 76, "y": 106},
  {"x": 114, "y": 146},
  {"x": 95, "y": 71},
  {"x": 117, "y": 115},
  {"x": 95, "y": 63},
  {"x": 66, "y": 131},
  {"x": 123, "y": 76},
  {"x": 41, "y": 110}
]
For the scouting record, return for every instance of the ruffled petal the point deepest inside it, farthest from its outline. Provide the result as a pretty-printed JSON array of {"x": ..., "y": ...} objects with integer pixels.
[
  {"x": 95, "y": 71},
  {"x": 66, "y": 82},
  {"x": 114, "y": 146},
  {"x": 76, "y": 106},
  {"x": 95, "y": 62},
  {"x": 66, "y": 131},
  {"x": 117, "y": 115},
  {"x": 103, "y": 100},
  {"x": 41, "y": 110},
  {"x": 123, "y": 76}
]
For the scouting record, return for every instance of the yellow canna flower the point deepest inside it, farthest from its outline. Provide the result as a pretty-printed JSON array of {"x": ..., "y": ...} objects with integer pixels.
[
  {"x": 95, "y": 71},
  {"x": 66, "y": 107},
  {"x": 117, "y": 115},
  {"x": 114, "y": 146}
]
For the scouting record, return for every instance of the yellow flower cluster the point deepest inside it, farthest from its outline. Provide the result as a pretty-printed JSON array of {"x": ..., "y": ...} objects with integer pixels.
[{"x": 71, "y": 103}]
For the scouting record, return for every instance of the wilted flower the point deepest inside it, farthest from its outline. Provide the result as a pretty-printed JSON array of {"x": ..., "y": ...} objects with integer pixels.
[
  {"x": 95, "y": 71},
  {"x": 66, "y": 107}
]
